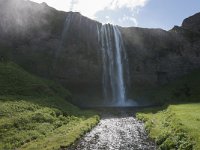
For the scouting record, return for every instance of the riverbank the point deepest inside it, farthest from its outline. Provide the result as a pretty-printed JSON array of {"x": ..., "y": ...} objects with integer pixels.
[
  {"x": 174, "y": 127},
  {"x": 117, "y": 129},
  {"x": 35, "y": 113}
]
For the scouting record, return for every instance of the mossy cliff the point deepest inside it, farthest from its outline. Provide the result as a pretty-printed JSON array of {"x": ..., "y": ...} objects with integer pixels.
[{"x": 41, "y": 40}]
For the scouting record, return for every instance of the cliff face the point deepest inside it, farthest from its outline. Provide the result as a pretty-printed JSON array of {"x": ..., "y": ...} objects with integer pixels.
[
  {"x": 192, "y": 23},
  {"x": 29, "y": 34},
  {"x": 157, "y": 56},
  {"x": 50, "y": 43},
  {"x": 77, "y": 58},
  {"x": 64, "y": 46}
]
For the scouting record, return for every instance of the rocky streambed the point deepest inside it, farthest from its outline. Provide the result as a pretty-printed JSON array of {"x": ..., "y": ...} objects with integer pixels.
[{"x": 118, "y": 130}]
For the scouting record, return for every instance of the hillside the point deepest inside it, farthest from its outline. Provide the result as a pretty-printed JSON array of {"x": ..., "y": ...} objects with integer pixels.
[
  {"x": 16, "y": 81},
  {"x": 34, "y": 111}
]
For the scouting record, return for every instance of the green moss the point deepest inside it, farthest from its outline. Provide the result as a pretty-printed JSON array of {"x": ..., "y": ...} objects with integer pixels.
[
  {"x": 35, "y": 113},
  {"x": 176, "y": 127},
  {"x": 16, "y": 81},
  {"x": 184, "y": 89},
  {"x": 26, "y": 122},
  {"x": 64, "y": 135}
]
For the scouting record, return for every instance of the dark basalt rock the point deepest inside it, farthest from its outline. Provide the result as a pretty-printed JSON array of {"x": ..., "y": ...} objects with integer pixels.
[
  {"x": 192, "y": 23},
  {"x": 157, "y": 56}
]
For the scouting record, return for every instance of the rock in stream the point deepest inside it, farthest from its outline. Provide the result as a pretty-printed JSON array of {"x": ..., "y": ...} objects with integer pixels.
[{"x": 117, "y": 130}]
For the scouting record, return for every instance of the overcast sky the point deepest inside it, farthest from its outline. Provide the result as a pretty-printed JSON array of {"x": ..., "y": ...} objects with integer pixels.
[{"x": 143, "y": 13}]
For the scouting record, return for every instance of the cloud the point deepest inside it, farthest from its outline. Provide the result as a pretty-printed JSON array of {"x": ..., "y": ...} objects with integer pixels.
[
  {"x": 91, "y": 7},
  {"x": 102, "y": 10},
  {"x": 121, "y": 12},
  {"x": 127, "y": 3},
  {"x": 119, "y": 16},
  {"x": 72, "y": 3}
]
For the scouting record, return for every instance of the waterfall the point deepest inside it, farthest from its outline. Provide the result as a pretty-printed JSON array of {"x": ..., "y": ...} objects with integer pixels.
[
  {"x": 114, "y": 59},
  {"x": 114, "y": 64},
  {"x": 64, "y": 34}
]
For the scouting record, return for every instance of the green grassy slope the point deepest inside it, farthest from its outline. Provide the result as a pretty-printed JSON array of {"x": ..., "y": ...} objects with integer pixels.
[
  {"x": 15, "y": 81},
  {"x": 34, "y": 113},
  {"x": 176, "y": 127}
]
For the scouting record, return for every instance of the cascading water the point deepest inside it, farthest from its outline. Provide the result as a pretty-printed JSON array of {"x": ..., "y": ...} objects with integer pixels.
[
  {"x": 64, "y": 32},
  {"x": 114, "y": 62}
]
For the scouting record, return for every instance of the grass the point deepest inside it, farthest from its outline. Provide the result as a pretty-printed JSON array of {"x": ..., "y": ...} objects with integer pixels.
[
  {"x": 63, "y": 136},
  {"x": 176, "y": 127},
  {"x": 16, "y": 81},
  {"x": 35, "y": 113}
]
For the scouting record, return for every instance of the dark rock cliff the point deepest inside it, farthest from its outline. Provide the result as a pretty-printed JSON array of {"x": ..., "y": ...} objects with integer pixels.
[
  {"x": 157, "y": 56},
  {"x": 192, "y": 23},
  {"x": 41, "y": 40}
]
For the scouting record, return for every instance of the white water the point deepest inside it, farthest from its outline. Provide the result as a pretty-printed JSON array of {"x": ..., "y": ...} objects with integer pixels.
[
  {"x": 64, "y": 34},
  {"x": 118, "y": 129},
  {"x": 114, "y": 61}
]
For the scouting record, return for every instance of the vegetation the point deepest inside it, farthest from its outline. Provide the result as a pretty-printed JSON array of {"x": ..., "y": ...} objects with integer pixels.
[
  {"x": 184, "y": 90},
  {"x": 176, "y": 127},
  {"x": 34, "y": 113}
]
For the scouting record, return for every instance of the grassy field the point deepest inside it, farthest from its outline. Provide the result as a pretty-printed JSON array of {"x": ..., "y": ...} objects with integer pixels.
[
  {"x": 174, "y": 127},
  {"x": 177, "y": 126},
  {"x": 35, "y": 114}
]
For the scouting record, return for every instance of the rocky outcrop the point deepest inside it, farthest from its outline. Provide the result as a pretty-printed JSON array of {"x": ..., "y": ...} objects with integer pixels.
[
  {"x": 157, "y": 56},
  {"x": 64, "y": 46},
  {"x": 192, "y": 23}
]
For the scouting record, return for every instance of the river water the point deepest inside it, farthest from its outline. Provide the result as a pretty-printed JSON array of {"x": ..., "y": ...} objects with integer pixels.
[{"x": 118, "y": 129}]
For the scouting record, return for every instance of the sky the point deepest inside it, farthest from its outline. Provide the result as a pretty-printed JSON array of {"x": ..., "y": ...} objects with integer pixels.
[{"x": 141, "y": 13}]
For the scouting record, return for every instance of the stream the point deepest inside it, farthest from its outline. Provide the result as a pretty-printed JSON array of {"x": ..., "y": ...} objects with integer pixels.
[{"x": 118, "y": 129}]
